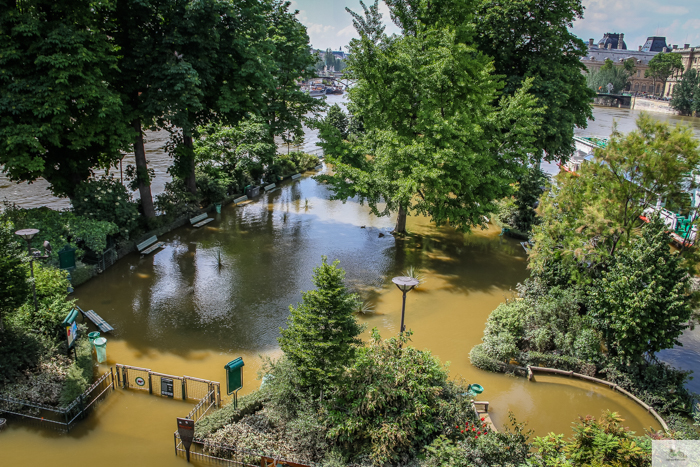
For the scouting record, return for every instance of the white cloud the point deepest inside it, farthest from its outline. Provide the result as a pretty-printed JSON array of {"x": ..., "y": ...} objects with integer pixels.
[
  {"x": 319, "y": 28},
  {"x": 347, "y": 31}
]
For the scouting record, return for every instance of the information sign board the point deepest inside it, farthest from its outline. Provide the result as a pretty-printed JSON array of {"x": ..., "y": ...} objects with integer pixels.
[
  {"x": 234, "y": 375},
  {"x": 185, "y": 428},
  {"x": 166, "y": 387},
  {"x": 71, "y": 327}
]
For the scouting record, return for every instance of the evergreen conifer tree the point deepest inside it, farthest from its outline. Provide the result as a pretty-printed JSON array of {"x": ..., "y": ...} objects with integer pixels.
[{"x": 322, "y": 332}]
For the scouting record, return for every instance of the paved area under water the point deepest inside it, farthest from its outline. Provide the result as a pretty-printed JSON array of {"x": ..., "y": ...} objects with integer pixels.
[{"x": 178, "y": 311}]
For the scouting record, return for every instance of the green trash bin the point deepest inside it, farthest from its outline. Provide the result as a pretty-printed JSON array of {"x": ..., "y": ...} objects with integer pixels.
[
  {"x": 92, "y": 336},
  {"x": 101, "y": 349},
  {"x": 66, "y": 258},
  {"x": 217, "y": 206}
]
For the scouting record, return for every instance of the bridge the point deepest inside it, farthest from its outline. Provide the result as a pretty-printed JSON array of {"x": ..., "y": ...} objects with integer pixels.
[
  {"x": 336, "y": 78},
  {"x": 620, "y": 100}
]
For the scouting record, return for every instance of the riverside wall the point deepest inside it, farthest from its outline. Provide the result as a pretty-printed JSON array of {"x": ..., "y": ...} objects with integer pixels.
[{"x": 651, "y": 105}]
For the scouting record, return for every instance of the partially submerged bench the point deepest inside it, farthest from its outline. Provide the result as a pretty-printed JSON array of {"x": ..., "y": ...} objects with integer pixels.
[
  {"x": 240, "y": 200},
  {"x": 97, "y": 320},
  {"x": 201, "y": 220},
  {"x": 270, "y": 187},
  {"x": 295, "y": 176},
  {"x": 149, "y": 246}
]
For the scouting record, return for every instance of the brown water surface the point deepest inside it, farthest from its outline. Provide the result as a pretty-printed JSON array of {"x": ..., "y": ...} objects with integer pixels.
[{"x": 178, "y": 311}]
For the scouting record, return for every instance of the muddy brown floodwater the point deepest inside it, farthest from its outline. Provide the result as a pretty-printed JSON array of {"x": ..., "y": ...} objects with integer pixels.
[{"x": 177, "y": 311}]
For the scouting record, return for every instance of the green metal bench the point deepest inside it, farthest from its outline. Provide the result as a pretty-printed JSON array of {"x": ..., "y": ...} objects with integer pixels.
[
  {"x": 271, "y": 186},
  {"x": 149, "y": 246},
  {"x": 295, "y": 176},
  {"x": 240, "y": 200},
  {"x": 200, "y": 220}
]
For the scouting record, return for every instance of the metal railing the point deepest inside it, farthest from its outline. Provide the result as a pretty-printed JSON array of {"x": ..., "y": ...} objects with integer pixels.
[
  {"x": 63, "y": 418},
  {"x": 223, "y": 454},
  {"x": 165, "y": 385}
]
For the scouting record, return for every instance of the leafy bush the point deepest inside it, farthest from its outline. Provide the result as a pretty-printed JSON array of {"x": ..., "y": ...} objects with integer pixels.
[
  {"x": 82, "y": 273},
  {"x": 176, "y": 201},
  {"x": 595, "y": 442},
  {"x": 481, "y": 359},
  {"x": 60, "y": 228},
  {"x": 80, "y": 373},
  {"x": 107, "y": 199},
  {"x": 394, "y": 400},
  {"x": 480, "y": 447},
  {"x": 19, "y": 351},
  {"x": 210, "y": 189}
]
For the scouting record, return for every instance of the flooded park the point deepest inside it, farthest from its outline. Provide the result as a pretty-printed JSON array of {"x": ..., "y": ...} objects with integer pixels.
[{"x": 223, "y": 291}]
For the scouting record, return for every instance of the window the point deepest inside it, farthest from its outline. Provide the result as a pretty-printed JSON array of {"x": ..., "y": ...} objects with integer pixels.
[
  {"x": 644, "y": 88},
  {"x": 636, "y": 86},
  {"x": 657, "y": 88}
]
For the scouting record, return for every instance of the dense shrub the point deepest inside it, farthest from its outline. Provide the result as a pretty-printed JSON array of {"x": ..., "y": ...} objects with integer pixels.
[
  {"x": 107, "y": 199},
  {"x": 20, "y": 350},
  {"x": 394, "y": 400},
  {"x": 176, "y": 201},
  {"x": 60, "y": 228},
  {"x": 80, "y": 374}
]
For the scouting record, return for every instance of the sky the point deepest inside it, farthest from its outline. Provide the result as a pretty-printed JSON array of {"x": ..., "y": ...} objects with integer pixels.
[{"x": 329, "y": 25}]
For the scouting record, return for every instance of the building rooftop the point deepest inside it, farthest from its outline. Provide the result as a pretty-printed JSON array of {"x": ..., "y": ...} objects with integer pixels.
[
  {"x": 655, "y": 44},
  {"x": 613, "y": 39}
]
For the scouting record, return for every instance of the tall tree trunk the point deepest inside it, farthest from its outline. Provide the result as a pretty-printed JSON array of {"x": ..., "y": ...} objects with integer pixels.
[
  {"x": 142, "y": 177},
  {"x": 190, "y": 179},
  {"x": 401, "y": 221}
]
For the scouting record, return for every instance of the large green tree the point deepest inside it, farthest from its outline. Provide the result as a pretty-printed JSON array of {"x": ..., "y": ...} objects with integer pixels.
[
  {"x": 586, "y": 217},
  {"x": 609, "y": 73},
  {"x": 437, "y": 139},
  {"x": 60, "y": 115},
  {"x": 532, "y": 39},
  {"x": 686, "y": 94},
  {"x": 663, "y": 65},
  {"x": 225, "y": 43},
  {"x": 642, "y": 303},
  {"x": 285, "y": 106},
  {"x": 322, "y": 333}
]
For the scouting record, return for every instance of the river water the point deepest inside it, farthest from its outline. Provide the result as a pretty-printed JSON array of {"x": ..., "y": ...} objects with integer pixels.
[{"x": 179, "y": 312}]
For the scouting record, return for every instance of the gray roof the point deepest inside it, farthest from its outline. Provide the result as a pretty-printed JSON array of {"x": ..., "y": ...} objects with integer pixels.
[
  {"x": 611, "y": 38},
  {"x": 654, "y": 44}
]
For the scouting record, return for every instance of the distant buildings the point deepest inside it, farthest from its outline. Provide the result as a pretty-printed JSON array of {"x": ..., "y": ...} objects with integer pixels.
[
  {"x": 691, "y": 60},
  {"x": 612, "y": 46}
]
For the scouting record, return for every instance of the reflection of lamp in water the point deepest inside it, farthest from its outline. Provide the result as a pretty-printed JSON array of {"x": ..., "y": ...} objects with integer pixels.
[
  {"x": 28, "y": 234},
  {"x": 405, "y": 285}
]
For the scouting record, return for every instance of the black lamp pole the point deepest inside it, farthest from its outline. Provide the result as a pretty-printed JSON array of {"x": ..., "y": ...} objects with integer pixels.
[
  {"x": 28, "y": 234},
  {"x": 405, "y": 285}
]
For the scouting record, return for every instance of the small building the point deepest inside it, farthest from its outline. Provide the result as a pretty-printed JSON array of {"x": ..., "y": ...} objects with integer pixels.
[{"x": 690, "y": 56}]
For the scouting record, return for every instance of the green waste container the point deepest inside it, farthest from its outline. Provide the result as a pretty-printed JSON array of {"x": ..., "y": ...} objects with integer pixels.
[
  {"x": 475, "y": 389},
  {"x": 92, "y": 336},
  {"x": 66, "y": 258},
  {"x": 101, "y": 349},
  {"x": 218, "y": 208}
]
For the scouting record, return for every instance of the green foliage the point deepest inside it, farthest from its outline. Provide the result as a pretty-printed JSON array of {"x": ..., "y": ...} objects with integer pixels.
[
  {"x": 475, "y": 446},
  {"x": 586, "y": 218},
  {"x": 176, "y": 201},
  {"x": 59, "y": 114},
  {"x": 60, "y": 228},
  {"x": 80, "y": 373},
  {"x": 393, "y": 401},
  {"x": 618, "y": 76},
  {"x": 595, "y": 443},
  {"x": 14, "y": 286},
  {"x": 641, "y": 304},
  {"x": 481, "y": 359},
  {"x": 106, "y": 199},
  {"x": 686, "y": 94},
  {"x": 19, "y": 351},
  {"x": 337, "y": 118},
  {"x": 532, "y": 39},
  {"x": 322, "y": 332},
  {"x": 422, "y": 152},
  {"x": 330, "y": 60},
  {"x": 663, "y": 65}
]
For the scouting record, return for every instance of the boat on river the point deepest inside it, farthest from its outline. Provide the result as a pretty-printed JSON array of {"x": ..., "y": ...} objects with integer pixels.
[{"x": 315, "y": 90}]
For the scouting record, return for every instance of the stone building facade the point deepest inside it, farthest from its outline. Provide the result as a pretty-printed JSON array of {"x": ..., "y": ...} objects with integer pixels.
[
  {"x": 612, "y": 46},
  {"x": 691, "y": 60}
]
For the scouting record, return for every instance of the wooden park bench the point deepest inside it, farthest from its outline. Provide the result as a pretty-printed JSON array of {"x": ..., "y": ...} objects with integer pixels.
[
  {"x": 201, "y": 220},
  {"x": 149, "y": 246},
  {"x": 97, "y": 320}
]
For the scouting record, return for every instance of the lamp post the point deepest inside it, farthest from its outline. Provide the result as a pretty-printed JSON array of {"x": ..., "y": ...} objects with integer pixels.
[
  {"x": 28, "y": 234},
  {"x": 405, "y": 285}
]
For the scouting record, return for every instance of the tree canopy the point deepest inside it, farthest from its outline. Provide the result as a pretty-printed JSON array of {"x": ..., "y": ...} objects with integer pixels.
[
  {"x": 322, "y": 333},
  {"x": 587, "y": 216},
  {"x": 532, "y": 40},
  {"x": 609, "y": 73},
  {"x": 438, "y": 140},
  {"x": 60, "y": 113},
  {"x": 686, "y": 94},
  {"x": 663, "y": 65}
]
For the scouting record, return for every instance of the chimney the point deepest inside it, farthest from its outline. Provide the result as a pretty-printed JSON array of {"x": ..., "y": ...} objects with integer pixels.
[
  {"x": 640, "y": 48},
  {"x": 609, "y": 45},
  {"x": 665, "y": 49},
  {"x": 590, "y": 42},
  {"x": 620, "y": 41},
  {"x": 686, "y": 46}
]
